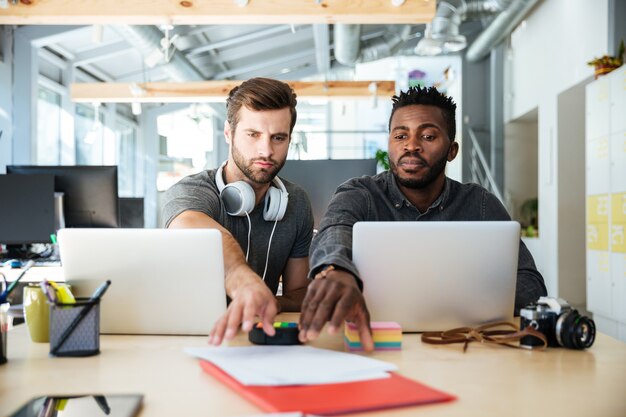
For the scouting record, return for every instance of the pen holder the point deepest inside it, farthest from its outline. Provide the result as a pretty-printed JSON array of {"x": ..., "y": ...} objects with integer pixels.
[{"x": 75, "y": 328}]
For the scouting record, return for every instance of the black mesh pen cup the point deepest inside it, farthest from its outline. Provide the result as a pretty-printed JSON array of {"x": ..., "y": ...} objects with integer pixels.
[{"x": 75, "y": 328}]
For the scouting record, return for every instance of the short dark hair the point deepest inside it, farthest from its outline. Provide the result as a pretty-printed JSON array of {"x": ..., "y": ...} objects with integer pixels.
[
  {"x": 260, "y": 94},
  {"x": 428, "y": 97}
]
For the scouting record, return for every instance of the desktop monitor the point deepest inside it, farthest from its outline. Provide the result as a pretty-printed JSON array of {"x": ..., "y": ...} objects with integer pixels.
[
  {"x": 89, "y": 192},
  {"x": 131, "y": 212},
  {"x": 27, "y": 209}
]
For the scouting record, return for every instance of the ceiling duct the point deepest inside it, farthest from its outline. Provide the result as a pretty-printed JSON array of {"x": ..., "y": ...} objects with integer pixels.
[
  {"x": 347, "y": 40},
  {"x": 348, "y": 49},
  {"x": 499, "y": 28},
  {"x": 147, "y": 39},
  {"x": 442, "y": 34}
]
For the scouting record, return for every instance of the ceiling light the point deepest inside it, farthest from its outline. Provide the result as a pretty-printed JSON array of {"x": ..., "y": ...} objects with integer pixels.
[
  {"x": 97, "y": 33},
  {"x": 135, "y": 107}
]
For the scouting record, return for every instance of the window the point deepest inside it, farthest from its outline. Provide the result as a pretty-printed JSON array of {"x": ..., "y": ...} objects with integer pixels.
[
  {"x": 185, "y": 144},
  {"x": 338, "y": 130},
  {"x": 126, "y": 157},
  {"x": 89, "y": 135},
  {"x": 48, "y": 127}
]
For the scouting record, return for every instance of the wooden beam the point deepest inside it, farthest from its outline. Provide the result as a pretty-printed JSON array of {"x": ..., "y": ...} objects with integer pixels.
[
  {"x": 216, "y": 91},
  {"x": 215, "y": 12}
]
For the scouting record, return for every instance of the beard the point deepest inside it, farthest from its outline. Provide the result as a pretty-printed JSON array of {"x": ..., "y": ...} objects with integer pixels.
[
  {"x": 262, "y": 176},
  {"x": 432, "y": 173}
]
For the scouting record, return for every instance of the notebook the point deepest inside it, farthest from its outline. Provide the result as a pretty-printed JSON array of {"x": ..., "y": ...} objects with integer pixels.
[
  {"x": 431, "y": 276},
  {"x": 334, "y": 399},
  {"x": 163, "y": 281}
]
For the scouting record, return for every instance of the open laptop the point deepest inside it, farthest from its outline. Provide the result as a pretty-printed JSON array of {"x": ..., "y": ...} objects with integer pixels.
[
  {"x": 163, "y": 281},
  {"x": 431, "y": 276}
]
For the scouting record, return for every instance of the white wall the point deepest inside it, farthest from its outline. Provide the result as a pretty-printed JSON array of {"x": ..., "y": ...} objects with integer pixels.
[
  {"x": 520, "y": 163},
  {"x": 551, "y": 48},
  {"x": 549, "y": 52},
  {"x": 571, "y": 195}
]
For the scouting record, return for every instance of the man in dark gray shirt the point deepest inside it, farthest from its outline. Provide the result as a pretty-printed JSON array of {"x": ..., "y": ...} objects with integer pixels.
[
  {"x": 421, "y": 142},
  {"x": 271, "y": 220}
]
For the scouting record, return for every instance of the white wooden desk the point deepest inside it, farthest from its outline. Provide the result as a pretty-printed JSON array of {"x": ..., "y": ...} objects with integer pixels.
[
  {"x": 489, "y": 381},
  {"x": 35, "y": 274}
]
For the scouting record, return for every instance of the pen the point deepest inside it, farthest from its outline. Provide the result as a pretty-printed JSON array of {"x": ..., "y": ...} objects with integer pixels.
[
  {"x": 5, "y": 294},
  {"x": 99, "y": 292},
  {"x": 103, "y": 404},
  {"x": 83, "y": 313},
  {"x": 48, "y": 291}
]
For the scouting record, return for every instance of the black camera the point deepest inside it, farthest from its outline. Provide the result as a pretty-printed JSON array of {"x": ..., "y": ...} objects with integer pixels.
[{"x": 559, "y": 322}]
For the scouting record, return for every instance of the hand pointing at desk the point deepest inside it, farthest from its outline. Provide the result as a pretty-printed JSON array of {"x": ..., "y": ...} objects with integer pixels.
[{"x": 334, "y": 297}]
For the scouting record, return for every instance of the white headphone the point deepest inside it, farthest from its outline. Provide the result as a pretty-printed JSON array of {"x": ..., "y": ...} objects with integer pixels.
[{"x": 239, "y": 198}]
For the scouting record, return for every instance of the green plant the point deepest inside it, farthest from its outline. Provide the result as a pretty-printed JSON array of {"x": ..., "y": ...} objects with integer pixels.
[
  {"x": 529, "y": 212},
  {"x": 383, "y": 158},
  {"x": 608, "y": 60}
]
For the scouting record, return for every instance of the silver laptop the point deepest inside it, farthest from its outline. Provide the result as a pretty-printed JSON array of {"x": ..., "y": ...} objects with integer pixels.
[
  {"x": 430, "y": 276},
  {"x": 163, "y": 281}
]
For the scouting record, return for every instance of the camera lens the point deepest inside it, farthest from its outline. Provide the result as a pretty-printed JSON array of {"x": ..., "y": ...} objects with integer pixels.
[{"x": 575, "y": 331}]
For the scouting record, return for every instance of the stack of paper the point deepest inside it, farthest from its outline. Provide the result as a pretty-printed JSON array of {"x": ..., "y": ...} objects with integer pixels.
[
  {"x": 387, "y": 335},
  {"x": 292, "y": 365}
]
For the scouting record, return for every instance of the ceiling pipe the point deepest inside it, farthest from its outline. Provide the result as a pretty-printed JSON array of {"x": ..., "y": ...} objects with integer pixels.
[
  {"x": 147, "y": 39},
  {"x": 442, "y": 35},
  {"x": 347, "y": 43},
  {"x": 499, "y": 29},
  {"x": 387, "y": 45},
  {"x": 347, "y": 40}
]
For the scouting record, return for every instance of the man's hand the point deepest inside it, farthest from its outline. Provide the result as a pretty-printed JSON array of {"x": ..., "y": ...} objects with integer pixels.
[
  {"x": 250, "y": 295},
  {"x": 335, "y": 298},
  {"x": 249, "y": 300}
]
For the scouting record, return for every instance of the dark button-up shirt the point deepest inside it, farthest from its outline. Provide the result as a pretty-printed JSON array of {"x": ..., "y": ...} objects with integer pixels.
[{"x": 378, "y": 198}]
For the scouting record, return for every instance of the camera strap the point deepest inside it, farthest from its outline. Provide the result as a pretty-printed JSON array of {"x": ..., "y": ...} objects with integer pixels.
[{"x": 491, "y": 333}]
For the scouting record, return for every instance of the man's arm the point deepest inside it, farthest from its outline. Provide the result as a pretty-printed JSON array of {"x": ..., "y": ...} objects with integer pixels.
[
  {"x": 295, "y": 284},
  {"x": 334, "y": 294},
  {"x": 250, "y": 296},
  {"x": 530, "y": 285}
]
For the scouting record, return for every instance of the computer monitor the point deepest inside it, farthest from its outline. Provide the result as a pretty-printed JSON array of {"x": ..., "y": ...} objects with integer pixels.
[
  {"x": 89, "y": 192},
  {"x": 27, "y": 209},
  {"x": 131, "y": 212}
]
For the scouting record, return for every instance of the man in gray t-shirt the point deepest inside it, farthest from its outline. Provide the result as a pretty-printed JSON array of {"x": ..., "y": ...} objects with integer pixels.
[
  {"x": 291, "y": 238},
  {"x": 266, "y": 223}
]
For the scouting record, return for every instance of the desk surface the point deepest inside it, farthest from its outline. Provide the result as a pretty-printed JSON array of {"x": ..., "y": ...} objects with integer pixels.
[{"x": 488, "y": 380}]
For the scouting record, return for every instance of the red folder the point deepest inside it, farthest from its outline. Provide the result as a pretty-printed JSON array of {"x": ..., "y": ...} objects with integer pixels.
[{"x": 334, "y": 399}]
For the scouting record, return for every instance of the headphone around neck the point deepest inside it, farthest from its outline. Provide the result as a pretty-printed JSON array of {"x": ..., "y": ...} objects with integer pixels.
[{"x": 239, "y": 198}]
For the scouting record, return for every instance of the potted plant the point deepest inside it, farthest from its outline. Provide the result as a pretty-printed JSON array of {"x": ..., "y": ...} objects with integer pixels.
[
  {"x": 607, "y": 63},
  {"x": 529, "y": 213},
  {"x": 383, "y": 159}
]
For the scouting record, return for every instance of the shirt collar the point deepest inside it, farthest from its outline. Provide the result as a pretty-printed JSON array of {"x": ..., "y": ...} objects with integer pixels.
[{"x": 399, "y": 199}]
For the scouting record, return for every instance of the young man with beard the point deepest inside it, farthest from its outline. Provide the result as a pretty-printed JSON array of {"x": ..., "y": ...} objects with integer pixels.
[
  {"x": 266, "y": 223},
  {"x": 422, "y": 132}
]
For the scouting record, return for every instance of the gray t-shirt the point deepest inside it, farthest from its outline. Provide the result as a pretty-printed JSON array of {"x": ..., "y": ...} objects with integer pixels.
[{"x": 292, "y": 237}]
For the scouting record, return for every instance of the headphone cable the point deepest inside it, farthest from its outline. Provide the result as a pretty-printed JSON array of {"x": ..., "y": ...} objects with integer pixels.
[
  {"x": 249, "y": 230},
  {"x": 269, "y": 245}
]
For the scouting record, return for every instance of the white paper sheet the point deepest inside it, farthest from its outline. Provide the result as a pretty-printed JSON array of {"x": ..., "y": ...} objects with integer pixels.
[{"x": 292, "y": 365}]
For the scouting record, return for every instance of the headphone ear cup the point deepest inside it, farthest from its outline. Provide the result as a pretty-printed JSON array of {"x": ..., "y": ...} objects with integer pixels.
[
  {"x": 275, "y": 204},
  {"x": 270, "y": 209},
  {"x": 238, "y": 198}
]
